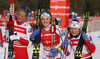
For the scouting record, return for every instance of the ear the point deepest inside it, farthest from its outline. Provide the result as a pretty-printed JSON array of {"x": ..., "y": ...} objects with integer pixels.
[
  {"x": 27, "y": 17},
  {"x": 80, "y": 30},
  {"x": 50, "y": 20}
]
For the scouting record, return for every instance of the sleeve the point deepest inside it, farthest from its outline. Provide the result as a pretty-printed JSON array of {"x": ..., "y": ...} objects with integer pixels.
[
  {"x": 61, "y": 32},
  {"x": 6, "y": 36},
  {"x": 27, "y": 41},
  {"x": 90, "y": 45},
  {"x": 67, "y": 50}
]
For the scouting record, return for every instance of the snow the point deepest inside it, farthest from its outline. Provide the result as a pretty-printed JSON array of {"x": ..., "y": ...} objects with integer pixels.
[{"x": 95, "y": 37}]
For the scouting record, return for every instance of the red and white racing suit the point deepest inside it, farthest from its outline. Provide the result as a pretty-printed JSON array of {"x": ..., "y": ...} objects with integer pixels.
[
  {"x": 46, "y": 41},
  {"x": 23, "y": 30},
  {"x": 88, "y": 46}
]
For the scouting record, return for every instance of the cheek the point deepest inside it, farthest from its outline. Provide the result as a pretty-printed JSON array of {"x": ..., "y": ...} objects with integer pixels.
[
  {"x": 18, "y": 16},
  {"x": 74, "y": 31},
  {"x": 77, "y": 32},
  {"x": 42, "y": 21},
  {"x": 48, "y": 21},
  {"x": 24, "y": 18}
]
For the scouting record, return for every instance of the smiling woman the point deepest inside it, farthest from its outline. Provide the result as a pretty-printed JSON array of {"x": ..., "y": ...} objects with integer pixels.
[
  {"x": 45, "y": 19},
  {"x": 46, "y": 36},
  {"x": 72, "y": 40},
  {"x": 21, "y": 36},
  {"x": 22, "y": 14},
  {"x": 75, "y": 27}
]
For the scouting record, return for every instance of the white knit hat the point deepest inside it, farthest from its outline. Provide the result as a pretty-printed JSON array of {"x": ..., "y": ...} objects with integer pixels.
[{"x": 75, "y": 23}]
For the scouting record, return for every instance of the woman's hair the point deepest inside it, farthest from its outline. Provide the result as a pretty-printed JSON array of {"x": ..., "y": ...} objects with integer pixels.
[
  {"x": 45, "y": 13},
  {"x": 24, "y": 9}
]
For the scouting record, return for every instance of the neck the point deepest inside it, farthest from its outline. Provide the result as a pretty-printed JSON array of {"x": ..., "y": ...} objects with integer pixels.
[
  {"x": 20, "y": 21},
  {"x": 47, "y": 27}
]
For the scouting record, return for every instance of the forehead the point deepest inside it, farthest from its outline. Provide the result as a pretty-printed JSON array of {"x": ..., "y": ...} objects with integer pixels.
[
  {"x": 45, "y": 16},
  {"x": 22, "y": 13},
  {"x": 73, "y": 28}
]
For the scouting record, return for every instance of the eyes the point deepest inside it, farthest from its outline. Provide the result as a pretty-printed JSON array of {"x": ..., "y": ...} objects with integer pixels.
[
  {"x": 45, "y": 18},
  {"x": 20, "y": 15},
  {"x": 74, "y": 28}
]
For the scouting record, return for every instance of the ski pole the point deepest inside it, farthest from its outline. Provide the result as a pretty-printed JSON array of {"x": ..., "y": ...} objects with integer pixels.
[
  {"x": 84, "y": 28},
  {"x": 52, "y": 29},
  {"x": 52, "y": 39},
  {"x": 36, "y": 48},
  {"x": 11, "y": 30},
  {"x": 66, "y": 47},
  {"x": 64, "y": 56}
]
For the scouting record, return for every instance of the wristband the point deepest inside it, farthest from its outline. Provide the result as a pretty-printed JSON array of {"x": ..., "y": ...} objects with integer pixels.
[{"x": 60, "y": 48}]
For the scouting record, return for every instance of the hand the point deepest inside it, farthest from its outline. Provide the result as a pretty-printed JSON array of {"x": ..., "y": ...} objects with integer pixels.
[
  {"x": 36, "y": 32},
  {"x": 84, "y": 36},
  {"x": 14, "y": 37},
  {"x": 54, "y": 51},
  {"x": 0, "y": 44},
  {"x": 5, "y": 44},
  {"x": 66, "y": 42}
]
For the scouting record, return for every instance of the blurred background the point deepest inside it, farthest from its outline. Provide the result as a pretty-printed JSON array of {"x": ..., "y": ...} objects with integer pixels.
[{"x": 78, "y": 6}]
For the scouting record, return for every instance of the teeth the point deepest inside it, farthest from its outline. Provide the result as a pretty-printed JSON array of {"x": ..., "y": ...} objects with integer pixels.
[{"x": 45, "y": 23}]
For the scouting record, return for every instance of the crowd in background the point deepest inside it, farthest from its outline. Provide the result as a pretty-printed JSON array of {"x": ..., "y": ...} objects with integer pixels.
[{"x": 33, "y": 15}]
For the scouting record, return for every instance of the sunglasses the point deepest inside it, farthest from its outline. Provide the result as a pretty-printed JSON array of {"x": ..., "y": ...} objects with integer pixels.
[{"x": 25, "y": 9}]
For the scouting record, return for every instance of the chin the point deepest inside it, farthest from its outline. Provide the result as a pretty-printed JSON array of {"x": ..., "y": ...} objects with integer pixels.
[
  {"x": 18, "y": 20},
  {"x": 45, "y": 25},
  {"x": 74, "y": 34}
]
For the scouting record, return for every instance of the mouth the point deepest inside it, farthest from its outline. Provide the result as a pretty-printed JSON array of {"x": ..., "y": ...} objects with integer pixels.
[
  {"x": 19, "y": 19},
  {"x": 45, "y": 23},
  {"x": 73, "y": 33}
]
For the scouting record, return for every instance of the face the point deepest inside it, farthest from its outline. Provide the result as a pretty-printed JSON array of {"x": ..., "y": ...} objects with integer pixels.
[
  {"x": 21, "y": 16},
  {"x": 74, "y": 31},
  {"x": 45, "y": 20}
]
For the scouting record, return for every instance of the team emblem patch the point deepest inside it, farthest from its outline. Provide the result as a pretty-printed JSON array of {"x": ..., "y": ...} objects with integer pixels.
[{"x": 30, "y": 30}]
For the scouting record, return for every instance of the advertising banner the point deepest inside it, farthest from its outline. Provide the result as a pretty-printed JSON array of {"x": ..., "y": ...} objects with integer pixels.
[
  {"x": 60, "y": 9},
  {"x": 95, "y": 25}
]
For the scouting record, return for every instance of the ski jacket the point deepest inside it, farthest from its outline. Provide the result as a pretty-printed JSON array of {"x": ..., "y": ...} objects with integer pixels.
[
  {"x": 23, "y": 30},
  {"x": 46, "y": 41},
  {"x": 88, "y": 46}
]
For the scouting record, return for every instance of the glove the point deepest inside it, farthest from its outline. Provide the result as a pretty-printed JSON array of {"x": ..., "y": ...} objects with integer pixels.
[
  {"x": 36, "y": 32},
  {"x": 14, "y": 37},
  {"x": 0, "y": 44},
  {"x": 66, "y": 42},
  {"x": 5, "y": 44},
  {"x": 84, "y": 36},
  {"x": 54, "y": 51}
]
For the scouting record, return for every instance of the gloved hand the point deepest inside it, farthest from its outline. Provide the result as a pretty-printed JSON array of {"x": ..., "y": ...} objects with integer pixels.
[
  {"x": 0, "y": 44},
  {"x": 36, "y": 32},
  {"x": 5, "y": 44},
  {"x": 14, "y": 37},
  {"x": 54, "y": 51},
  {"x": 84, "y": 36},
  {"x": 66, "y": 42}
]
